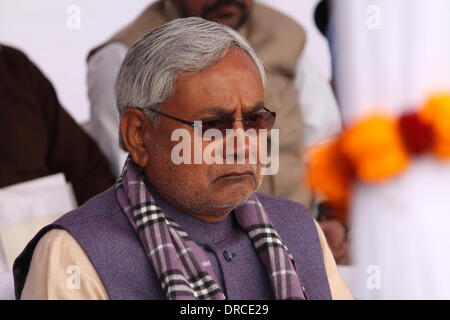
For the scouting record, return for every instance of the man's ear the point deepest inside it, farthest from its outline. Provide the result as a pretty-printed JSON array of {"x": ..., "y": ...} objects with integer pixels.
[{"x": 134, "y": 128}]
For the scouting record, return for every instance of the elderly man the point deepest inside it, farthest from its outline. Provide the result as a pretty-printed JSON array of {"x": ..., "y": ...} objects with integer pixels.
[
  {"x": 303, "y": 100},
  {"x": 184, "y": 231},
  {"x": 306, "y": 108}
]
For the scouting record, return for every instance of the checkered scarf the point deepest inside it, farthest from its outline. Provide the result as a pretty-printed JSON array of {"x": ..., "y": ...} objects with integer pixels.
[{"x": 183, "y": 268}]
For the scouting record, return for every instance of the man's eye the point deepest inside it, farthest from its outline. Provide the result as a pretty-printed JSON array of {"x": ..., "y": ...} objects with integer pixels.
[
  {"x": 254, "y": 117},
  {"x": 212, "y": 123}
]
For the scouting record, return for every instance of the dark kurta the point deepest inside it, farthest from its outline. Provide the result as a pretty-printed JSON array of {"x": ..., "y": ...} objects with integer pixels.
[{"x": 38, "y": 137}]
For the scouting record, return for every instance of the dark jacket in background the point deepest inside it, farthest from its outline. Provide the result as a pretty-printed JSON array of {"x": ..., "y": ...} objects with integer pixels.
[{"x": 38, "y": 137}]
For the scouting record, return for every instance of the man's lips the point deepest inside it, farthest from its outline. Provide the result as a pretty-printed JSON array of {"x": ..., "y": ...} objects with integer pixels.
[
  {"x": 225, "y": 10},
  {"x": 228, "y": 9},
  {"x": 235, "y": 175}
]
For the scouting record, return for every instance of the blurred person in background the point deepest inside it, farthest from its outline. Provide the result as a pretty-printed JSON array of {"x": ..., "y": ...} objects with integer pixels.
[{"x": 38, "y": 137}]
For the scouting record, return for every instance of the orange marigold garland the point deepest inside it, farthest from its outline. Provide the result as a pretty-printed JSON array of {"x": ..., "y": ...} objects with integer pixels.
[
  {"x": 331, "y": 174},
  {"x": 378, "y": 148},
  {"x": 437, "y": 113},
  {"x": 375, "y": 149},
  {"x": 417, "y": 134}
]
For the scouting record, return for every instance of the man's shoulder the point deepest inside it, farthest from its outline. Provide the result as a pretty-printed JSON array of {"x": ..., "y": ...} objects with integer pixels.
[
  {"x": 15, "y": 60},
  {"x": 6, "y": 50},
  {"x": 281, "y": 203},
  {"x": 271, "y": 16},
  {"x": 109, "y": 52},
  {"x": 268, "y": 30},
  {"x": 284, "y": 211},
  {"x": 150, "y": 18},
  {"x": 103, "y": 205}
]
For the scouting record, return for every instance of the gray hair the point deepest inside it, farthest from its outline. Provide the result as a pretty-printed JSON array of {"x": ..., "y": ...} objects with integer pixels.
[{"x": 152, "y": 64}]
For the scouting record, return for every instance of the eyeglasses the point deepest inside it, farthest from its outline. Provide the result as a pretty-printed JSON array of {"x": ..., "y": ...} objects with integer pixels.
[{"x": 253, "y": 120}]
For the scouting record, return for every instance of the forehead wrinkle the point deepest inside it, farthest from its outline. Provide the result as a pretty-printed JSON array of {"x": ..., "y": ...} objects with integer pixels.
[
  {"x": 219, "y": 111},
  {"x": 214, "y": 111}
]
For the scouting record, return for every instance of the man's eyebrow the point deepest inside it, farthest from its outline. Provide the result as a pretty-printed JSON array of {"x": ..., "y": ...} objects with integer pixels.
[
  {"x": 258, "y": 106},
  {"x": 213, "y": 111},
  {"x": 220, "y": 111}
]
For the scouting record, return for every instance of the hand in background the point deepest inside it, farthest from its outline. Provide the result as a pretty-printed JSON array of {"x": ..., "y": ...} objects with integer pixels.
[{"x": 336, "y": 235}]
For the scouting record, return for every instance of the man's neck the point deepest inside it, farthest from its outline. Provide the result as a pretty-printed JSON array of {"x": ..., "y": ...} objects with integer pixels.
[
  {"x": 211, "y": 218},
  {"x": 218, "y": 215}
]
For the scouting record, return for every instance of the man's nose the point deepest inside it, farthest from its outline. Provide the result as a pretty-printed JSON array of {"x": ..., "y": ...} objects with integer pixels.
[
  {"x": 238, "y": 123},
  {"x": 239, "y": 150}
]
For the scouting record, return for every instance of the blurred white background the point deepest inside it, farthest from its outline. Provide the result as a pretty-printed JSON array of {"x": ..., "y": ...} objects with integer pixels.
[{"x": 40, "y": 29}]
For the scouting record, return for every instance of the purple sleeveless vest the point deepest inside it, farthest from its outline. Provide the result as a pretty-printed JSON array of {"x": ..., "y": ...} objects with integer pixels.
[{"x": 107, "y": 237}]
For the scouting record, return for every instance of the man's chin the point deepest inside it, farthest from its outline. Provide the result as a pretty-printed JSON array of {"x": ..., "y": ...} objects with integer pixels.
[
  {"x": 232, "y": 196},
  {"x": 234, "y": 184}
]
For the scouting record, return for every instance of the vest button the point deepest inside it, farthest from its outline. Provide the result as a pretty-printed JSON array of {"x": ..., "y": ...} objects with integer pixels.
[{"x": 228, "y": 256}]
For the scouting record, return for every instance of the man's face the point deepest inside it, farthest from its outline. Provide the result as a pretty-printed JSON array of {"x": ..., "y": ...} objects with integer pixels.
[
  {"x": 232, "y": 13},
  {"x": 231, "y": 87}
]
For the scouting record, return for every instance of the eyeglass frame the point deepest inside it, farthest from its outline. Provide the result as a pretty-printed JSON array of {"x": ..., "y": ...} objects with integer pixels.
[{"x": 194, "y": 124}]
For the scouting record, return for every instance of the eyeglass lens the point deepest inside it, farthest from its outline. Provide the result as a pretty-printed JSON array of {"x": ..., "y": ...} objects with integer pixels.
[{"x": 256, "y": 120}]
